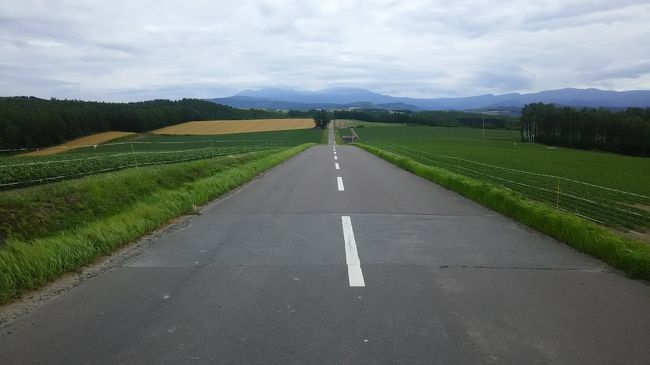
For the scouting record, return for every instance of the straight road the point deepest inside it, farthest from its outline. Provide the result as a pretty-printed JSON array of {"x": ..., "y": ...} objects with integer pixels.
[{"x": 339, "y": 257}]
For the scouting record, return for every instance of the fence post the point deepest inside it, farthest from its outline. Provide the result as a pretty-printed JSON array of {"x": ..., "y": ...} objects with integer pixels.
[
  {"x": 458, "y": 165},
  {"x": 211, "y": 149},
  {"x": 134, "y": 158}
]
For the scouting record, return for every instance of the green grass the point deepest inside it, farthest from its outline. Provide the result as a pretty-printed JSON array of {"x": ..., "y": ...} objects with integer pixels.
[
  {"x": 55, "y": 228},
  {"x": 325, "y": 137},
  {"x": 141, "y": 150},
  {"x": 499, "y": 148},
  {"x": 152, "y": 142},
  {"x": 493, "y": 159},
  {"x": 337, "y": 137},
  {"x": 631, "y": 256},
  {"x": 352, "y": 123}
]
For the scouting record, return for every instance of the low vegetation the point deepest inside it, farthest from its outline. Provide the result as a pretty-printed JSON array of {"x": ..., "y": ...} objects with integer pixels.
[
  {"x": 52, "y": 229},
  {"x": 351, "y": 123},
  {"x": 139, "y": 151},
  {"x": 606, "y": 188},
  {"x": 324, "y": 137}
]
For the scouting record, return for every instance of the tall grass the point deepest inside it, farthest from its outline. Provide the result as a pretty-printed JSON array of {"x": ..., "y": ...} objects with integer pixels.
[
  {"x": 31, "y": 258},
  {"x": 324, "y": 139},
  {"x": 630, "y": 256}
]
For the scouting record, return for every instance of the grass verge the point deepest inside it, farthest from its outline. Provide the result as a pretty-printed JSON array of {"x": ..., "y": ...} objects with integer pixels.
[
  {"x": 337, "y": 137},
  {"x": 324, "y": 139},
  {"x": 630, "y": 256},
  {"x": 31, "y": 258}
]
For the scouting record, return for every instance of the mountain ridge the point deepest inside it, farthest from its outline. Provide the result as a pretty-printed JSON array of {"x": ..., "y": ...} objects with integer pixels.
[{"x": 342, "y": 98}]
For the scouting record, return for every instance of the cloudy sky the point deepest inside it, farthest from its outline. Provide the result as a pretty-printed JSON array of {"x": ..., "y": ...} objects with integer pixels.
[{"x": 134, "y": 50}]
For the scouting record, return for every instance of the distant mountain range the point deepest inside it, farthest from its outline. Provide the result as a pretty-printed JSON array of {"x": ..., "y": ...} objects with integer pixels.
[{"x": 351, "y": 98}]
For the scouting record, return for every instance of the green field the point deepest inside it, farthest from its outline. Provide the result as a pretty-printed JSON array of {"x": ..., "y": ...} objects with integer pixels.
[
  {"x": 350, "y": 123},
  {"x": 142, "y": 150},
  {"x": 606, "y": 188},
  {"x": 152, "y": 142}
]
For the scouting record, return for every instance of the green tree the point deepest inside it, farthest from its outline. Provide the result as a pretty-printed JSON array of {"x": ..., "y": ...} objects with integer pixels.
[{"x": 322, "y": 118}]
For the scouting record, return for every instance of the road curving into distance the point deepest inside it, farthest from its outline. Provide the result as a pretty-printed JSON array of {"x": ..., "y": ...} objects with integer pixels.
[{"x": 337, "y": 256}]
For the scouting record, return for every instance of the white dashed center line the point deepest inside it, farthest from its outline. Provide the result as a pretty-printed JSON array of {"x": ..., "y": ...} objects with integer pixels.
[
  {"x": 337, "y": 166},
  {"x": 355, "y": 276},
  {"x": 339, "y": 181},
  {"x": 336, "y": 158}
]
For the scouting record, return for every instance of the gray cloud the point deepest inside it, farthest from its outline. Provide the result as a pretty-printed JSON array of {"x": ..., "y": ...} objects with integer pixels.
[
  {"x": 502, "y": 81},
  {"x": 125, "y": 50}
]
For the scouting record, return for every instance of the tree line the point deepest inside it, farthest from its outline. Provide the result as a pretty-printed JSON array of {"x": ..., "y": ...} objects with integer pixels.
[
  {"x": 29, "y": 122},
  {"x": 626, "y": 131},
  {"x": 431, "y": 118}
]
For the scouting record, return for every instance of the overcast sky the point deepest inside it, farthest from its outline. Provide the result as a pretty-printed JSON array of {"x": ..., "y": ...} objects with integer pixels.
[{"x": 137, "y": 49}]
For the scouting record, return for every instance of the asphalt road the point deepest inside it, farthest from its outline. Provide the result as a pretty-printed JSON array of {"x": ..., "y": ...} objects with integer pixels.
[{"x": 392, "y": 269}]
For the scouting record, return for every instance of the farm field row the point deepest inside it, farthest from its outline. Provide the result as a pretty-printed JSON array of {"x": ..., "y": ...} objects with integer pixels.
[
  {"x": 607, "y": 188},
  {"x": 141, "y": 150},
  {"x": 215, "y": 127},
  {"x": 350, "y": 123},
  {"x": 196, "y": 128},
  {"x": 93, "y": 139},
  {"x": 155, "y": 142}
]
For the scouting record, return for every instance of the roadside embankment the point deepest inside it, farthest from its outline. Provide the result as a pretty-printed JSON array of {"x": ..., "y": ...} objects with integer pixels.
[{"x": 52, "y": 229}]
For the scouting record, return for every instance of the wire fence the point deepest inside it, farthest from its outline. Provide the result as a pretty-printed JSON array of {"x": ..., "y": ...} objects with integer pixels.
[
  {"x": 48, "y": 169},
  {"x": 608, "y": 206}
]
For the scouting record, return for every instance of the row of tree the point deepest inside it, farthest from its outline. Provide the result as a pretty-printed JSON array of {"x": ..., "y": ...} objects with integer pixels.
[
  {"x": 431, "y": 118},
  {"x": 626, "y": 131},
  {"x": 28, "y": 122}
]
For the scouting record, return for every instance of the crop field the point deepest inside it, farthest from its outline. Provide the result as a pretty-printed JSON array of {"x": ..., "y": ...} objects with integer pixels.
[
  {"x": 93, "y": 139},
  {"x": 214, "y": 127},
  {"x": 606, "y": 188},
  {"x": 350, "y": 123},
  {"x": 141, "y": 150}
]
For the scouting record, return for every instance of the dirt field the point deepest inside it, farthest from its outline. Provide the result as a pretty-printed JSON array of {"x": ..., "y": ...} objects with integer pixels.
[
  {"x": 93, "y": 139},
  {"x": 211, "y": 127}
]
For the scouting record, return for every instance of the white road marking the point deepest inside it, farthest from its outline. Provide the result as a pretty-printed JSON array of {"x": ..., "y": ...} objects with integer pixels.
[
  {"x": 335, "y": 152},
  {"x": 339, "y": 181},
  {"x": 336, "y": 158},
  {"x": 355, "y": 276},
  {"x": 337, "y": 166}
]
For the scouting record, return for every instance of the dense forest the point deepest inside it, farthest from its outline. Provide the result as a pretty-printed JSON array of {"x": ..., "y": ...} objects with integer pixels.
[
  {"x": 28, "y": 122},
  {"x": 626, "y": 132},
  {"x": 432, "y": 118}
]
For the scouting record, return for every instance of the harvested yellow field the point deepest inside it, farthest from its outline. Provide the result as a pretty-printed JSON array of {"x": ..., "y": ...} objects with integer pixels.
[
  {"x": 211, "y": 127},
  {"x": 90, "y": 140}
]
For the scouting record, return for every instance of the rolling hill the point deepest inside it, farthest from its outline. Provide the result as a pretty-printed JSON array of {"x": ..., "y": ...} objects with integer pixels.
[{"x": 350, "y": 98}]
